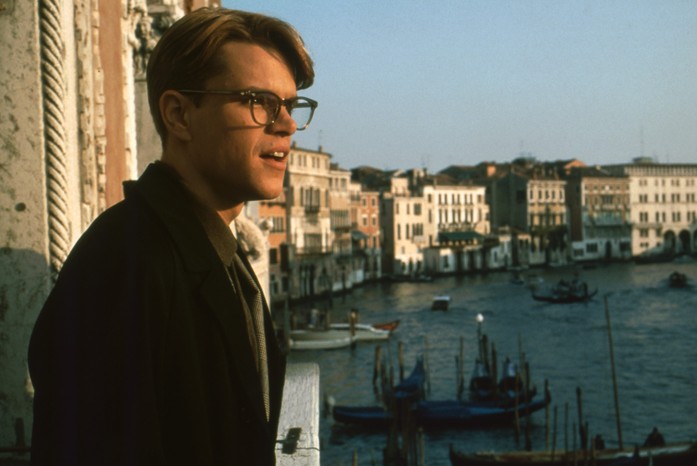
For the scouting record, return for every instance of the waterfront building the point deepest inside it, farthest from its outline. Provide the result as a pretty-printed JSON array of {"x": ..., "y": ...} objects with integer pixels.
[
  {"x": 530, "y": 197},
  {"x": 599, "y": 215},
  {"x": 402, "y": 220},
  {"x": 663, "y": 206},
  {"x": 457, "y": 224},
  {"x": 432, "y": 224},
  {"x": 365, "y": 233},
  {"x": 341, "y": 273},
  {"x": 308, "y": 222},
  {"x": 526, "y": 201}
]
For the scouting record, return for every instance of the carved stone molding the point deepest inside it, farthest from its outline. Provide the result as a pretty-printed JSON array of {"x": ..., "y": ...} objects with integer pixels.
[
  {"x": 147, "y": 24},
  {"x": 53, "y": 93},
  {"x": 91, "y": 124}
]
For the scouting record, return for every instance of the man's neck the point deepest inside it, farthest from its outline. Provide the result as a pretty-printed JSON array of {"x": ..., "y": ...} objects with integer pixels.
[
  {"x": 228, "y": 215},
  {"x": 198, "y": 190}
]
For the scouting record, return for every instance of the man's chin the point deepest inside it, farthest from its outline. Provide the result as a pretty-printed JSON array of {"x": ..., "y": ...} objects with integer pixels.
[{"x": 270, "y": 194}]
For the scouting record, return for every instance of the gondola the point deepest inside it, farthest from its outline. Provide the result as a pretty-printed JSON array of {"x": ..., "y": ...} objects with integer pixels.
[
  {"x": 565, "y": 298},
  {"x": 439, "y": 414},
  {"x": 565, "y": 293},
  {"x": 676, "y": 454},
  {"x": 509, "y": 391},
  {"x": 479, "y": 412}
]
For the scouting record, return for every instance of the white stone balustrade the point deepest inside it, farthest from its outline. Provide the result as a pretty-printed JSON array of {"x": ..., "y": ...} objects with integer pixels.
[{"x": 301, "y": 405}]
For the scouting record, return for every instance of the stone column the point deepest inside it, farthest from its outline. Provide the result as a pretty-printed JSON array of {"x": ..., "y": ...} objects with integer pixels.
[{"x": 37, "y": 188}]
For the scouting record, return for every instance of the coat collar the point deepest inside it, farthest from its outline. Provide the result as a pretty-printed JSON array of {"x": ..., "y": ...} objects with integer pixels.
[{"x": 164, "y": 193}]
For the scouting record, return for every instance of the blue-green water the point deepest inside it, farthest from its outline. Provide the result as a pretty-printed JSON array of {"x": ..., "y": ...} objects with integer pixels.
[{"x": 653, "y": 329}]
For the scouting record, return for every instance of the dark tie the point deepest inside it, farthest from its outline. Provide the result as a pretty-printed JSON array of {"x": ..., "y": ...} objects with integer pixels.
[{"x": 254, "y": 301}]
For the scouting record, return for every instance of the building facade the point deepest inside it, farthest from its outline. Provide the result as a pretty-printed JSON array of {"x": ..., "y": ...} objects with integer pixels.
[
  {"x": 343, "y": 274},
  {"x": 308, "y": 223},
  {"x": 663, "y": 205},
  {"x": 599, "y": 215},
  {"x": 365, "y": 233}
]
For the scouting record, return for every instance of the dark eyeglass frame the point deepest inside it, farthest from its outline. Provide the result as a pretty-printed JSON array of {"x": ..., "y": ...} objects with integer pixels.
[{"x": 251, "y": 95}]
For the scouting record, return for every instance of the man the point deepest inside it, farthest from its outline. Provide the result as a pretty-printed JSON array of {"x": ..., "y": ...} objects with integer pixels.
[{"x": 155, "y": 346}]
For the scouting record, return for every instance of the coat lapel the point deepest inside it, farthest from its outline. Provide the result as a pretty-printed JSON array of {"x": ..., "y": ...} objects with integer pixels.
[
  {"x": 275, "y": 358},
  {"x": 172, "y": 204}
]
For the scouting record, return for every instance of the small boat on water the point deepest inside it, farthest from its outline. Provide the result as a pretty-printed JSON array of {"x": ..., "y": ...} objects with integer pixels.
[
  {"x": 677, "y": 280},
  {"x": 312, "y": 339},
  {"x": 368, "y": 332},
  {"x": 675, "y": 454},
  {"x": 565, "y": 298},
  {"x": 320, "y": 334},
  {"x": 564, "y": 292},
  {"x": 440, "y": 303},
  {"x": 391, "y": 325}
]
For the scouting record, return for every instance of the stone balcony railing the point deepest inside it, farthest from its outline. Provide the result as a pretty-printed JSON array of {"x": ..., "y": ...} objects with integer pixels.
[{"x": 300, "y": 410}]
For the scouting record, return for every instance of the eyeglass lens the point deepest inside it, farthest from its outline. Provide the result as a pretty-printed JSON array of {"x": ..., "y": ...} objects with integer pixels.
[{"x": 266, "y": 108}]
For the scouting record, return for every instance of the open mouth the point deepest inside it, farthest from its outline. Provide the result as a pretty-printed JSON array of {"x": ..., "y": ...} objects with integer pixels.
[{"x": 275, "y": 155}]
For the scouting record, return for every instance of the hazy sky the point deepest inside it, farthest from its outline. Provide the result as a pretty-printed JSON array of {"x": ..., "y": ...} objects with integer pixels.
[{"x": 412, "y": 83}]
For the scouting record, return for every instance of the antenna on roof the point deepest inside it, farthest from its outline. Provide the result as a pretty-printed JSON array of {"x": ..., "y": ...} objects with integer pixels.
[{"x": 424, "y": 160}]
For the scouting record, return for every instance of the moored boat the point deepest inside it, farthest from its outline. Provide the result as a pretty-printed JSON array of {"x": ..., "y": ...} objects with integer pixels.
[
  {"x": 684, "y": 453},
  {"x": 391, "y": 325},
  {"x": 368, "y": 332},
  {"x": 510, "y": 388},
  {"x": 439, "y": 414},
  {"x": 312, "y": 339}
]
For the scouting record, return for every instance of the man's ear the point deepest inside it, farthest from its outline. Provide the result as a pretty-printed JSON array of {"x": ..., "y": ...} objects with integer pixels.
[{"x": 175, "y": 110}]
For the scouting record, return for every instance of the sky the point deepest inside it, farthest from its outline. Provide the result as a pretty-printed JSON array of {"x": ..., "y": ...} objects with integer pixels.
[{"x": 418, "y": 84}]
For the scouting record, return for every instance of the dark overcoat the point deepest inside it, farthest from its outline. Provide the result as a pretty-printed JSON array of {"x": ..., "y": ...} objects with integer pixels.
[{"x": 141, "y": 354}]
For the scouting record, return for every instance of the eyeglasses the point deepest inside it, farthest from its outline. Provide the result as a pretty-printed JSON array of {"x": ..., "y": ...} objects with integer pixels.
[{"x": 265, "y": 106}]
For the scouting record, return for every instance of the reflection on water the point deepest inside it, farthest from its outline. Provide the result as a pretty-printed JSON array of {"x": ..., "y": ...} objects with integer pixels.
[{"x": 653, "y": 329}]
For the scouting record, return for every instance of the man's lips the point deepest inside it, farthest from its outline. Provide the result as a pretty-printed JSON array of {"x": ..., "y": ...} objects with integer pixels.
[{"x": 277, "y": 155}]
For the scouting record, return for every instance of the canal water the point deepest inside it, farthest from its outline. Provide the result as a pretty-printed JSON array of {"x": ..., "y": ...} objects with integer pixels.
[{"x": 653, "y": 329}]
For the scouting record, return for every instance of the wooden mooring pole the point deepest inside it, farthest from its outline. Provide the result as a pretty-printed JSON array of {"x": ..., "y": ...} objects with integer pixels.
[
  {"x": 400, "y": 358},
  {"x": 614, "y": 376},
  {"x": 461, "y": 370},
  {"x": 582, "y": 433},
  {"x": 377, "y": 371}
]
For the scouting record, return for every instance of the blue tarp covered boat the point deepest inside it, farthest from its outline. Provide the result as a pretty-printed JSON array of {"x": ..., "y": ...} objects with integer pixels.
[
  {"x": 485, "y": 408},
  {"x": 413, "y": 386},
  {"x": 439, "y": 414}
]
